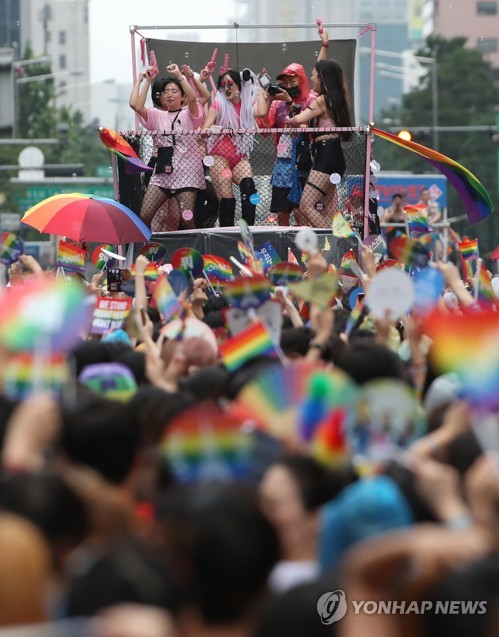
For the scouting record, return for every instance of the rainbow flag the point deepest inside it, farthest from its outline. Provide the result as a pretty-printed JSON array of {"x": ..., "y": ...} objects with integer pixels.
[
  {"x": 206, "y": 443},
  {"x": 165, "y": 298},
  {"x": 458, "y": 338},
  {"x": 26, "y": 373},
  {"x": 70, "y": 257},
  {"x": 150, "y": 273},
  {"x": 341, "y": 227},
  {"x": 347, "y": 259},
  {"x": 353, "y": 318},
  {"x": 48, "y": 313},
  {"x": 475, "y": 198},
  {"x": 245, "y": 292},
  {"x": 468, "y": 344},
  {"x": 468, "y": 268},
  {"x": 246, "y": 255},
  {"x": 485, "y": 294},
  {"x": 254, "y": 341},
  {"x": 217, "y": 269},
  {"x": 409, "y": 251},
  {"x": 417, "y": 218},
  {"x": 118, "y": 145},
  {"x": 469, "y": 248},
  {"x": 11, "y": 247}
]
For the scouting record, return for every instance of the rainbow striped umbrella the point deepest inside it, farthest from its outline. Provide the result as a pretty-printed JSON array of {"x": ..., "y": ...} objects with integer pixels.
[{"x": 87, "y": 218}]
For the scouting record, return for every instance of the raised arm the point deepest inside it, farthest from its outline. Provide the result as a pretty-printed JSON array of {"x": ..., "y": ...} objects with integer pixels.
[
  {"x": 204, "y": 93},
  {"x": 324, "y": 44},
  {"x": 261, "y": 106},
  {"x": 190, "y": 95},
  {"x": 139, "y": 92}
]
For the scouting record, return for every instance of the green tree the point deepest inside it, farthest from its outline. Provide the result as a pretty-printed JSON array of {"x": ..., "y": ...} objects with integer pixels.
[
  {"x": 467, "y": 96},
  {"x": 80, "y": 143},
  {"x": 35, "y": 114}
]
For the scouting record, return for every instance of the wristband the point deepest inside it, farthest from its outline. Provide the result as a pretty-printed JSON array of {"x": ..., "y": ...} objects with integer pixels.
[
  {"x": 320, "y": 346},
  {"x": 325, "y": 44},
  {"x": 459, "y": 522},
  {"x": 289, "y": 103}
]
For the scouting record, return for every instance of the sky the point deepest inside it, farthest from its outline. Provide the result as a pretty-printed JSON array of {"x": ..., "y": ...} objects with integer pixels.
[{"x": 110, "y": 50}]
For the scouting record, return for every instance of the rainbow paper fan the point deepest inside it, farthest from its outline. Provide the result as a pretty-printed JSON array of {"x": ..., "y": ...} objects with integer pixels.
[
  {"x": 205, "y": 443},
  {"x": 284, "y": 273},
  {"x": 246, "y": 292},
  {"x": 292, "y": 402},
  {"x": 154, "y": 252}
]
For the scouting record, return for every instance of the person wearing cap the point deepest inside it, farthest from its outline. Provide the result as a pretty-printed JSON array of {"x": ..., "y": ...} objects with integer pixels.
[
  {"x": 292, "y": 159},
  {"x": 329, "y": 111}
]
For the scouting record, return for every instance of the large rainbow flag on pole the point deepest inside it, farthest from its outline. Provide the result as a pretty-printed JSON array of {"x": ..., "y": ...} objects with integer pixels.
[{"x": 475, "y": 198}]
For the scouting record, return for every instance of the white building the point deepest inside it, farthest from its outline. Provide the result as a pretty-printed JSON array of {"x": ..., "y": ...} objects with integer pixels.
[
  {"x": 109, "y": 106},
  {"x": 59, "y": 29},
  {"x": 293, "y": 12}
]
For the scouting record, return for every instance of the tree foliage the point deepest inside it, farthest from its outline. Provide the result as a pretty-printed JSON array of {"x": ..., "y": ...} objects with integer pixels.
[
  {"x": 467, "y": 96},
  {"x": 37, "y": 117}
]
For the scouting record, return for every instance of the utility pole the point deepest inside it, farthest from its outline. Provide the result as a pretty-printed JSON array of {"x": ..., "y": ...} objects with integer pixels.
[
  {"x": 495, "y": 139},
  {"x": 434, "y": 100},
  {"x": 45, "y": 16}
]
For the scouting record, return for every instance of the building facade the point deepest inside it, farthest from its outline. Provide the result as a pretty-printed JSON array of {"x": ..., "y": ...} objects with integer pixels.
[
  {"x": 59, "y": 30},
  {"x": 477, "y": 20}
]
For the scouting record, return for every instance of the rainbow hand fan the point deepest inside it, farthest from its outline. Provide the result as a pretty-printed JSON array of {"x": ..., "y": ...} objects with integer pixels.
[
  {"x": 154, "y": 252},
  {"x": 205, "y": 443},
  {"x": 284, "y": 273},
  {"x": 245, "y": 292},
  {"x": 294, "y": 403}
]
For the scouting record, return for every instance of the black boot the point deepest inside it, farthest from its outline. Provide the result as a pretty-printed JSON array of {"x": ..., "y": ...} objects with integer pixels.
[
  {"x": 248, "y": 209},
  {"x": 227, "y": 211}
]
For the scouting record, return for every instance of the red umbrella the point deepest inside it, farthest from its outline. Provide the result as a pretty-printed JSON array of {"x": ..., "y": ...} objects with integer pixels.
[{"x": 87, "y": 218}]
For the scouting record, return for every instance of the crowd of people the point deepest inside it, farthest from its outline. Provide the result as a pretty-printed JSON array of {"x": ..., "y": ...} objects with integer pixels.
[
  {"x": 114, "y": 525},
  {"x": 304, "y": 163},
  {"x": 211, "y": 468}
]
